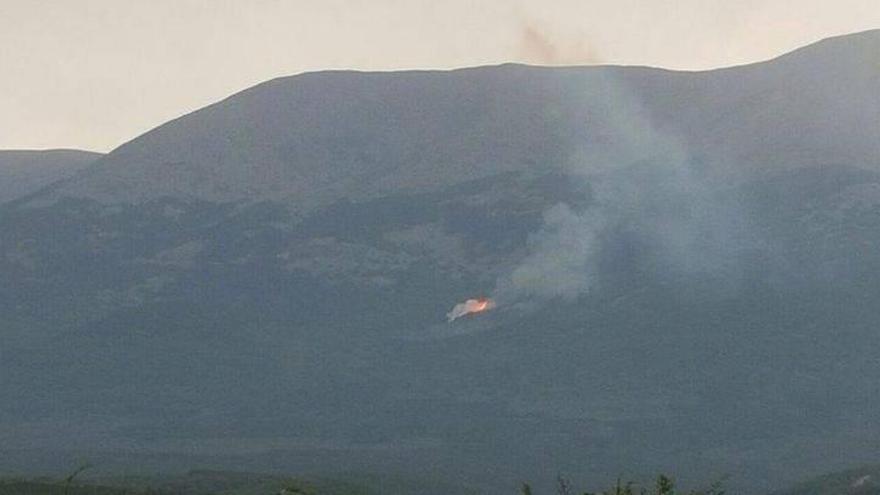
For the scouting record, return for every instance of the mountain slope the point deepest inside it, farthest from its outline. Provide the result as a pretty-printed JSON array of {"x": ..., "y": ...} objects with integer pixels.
[
  {"x": 25, "y": 172},
  {"x": 262, "y": 284}
]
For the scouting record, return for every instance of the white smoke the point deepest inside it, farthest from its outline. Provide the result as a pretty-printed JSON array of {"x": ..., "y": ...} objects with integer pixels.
[
  {"x": 641, "y": 182},
  {"x": 560, "y": 260}
]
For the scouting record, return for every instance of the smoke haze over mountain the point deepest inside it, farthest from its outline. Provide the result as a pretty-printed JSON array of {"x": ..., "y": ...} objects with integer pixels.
[{"x": 640, "y": 180}]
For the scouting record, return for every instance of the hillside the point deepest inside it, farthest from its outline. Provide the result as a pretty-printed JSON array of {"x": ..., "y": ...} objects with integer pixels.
[
  {"x": 25, "y": 172},
  {"x": 688, "y": 258}
]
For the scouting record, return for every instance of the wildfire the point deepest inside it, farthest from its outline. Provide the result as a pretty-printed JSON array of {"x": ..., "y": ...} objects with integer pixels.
[{"x": 471, "y": 306}]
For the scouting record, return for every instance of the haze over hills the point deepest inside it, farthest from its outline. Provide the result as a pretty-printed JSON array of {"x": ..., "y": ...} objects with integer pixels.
[
  {"x": 262, "y": 283},
  {"x": 24, "y": 172}
]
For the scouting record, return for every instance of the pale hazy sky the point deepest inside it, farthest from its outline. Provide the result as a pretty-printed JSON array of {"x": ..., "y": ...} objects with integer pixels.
[{"x": 93, "y": 74}]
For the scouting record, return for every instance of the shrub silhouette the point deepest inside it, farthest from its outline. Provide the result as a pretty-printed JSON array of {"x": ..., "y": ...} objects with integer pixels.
[{"x": 664, "y": 485}]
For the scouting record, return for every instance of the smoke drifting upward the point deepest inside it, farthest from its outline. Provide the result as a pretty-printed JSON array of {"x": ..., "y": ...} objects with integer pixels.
[
  {"x": 646, "y": 214},
  {"x": 642, "y": 184},
  {"x": 538, "y": 46},
  {"x": 561, "y": 258}
]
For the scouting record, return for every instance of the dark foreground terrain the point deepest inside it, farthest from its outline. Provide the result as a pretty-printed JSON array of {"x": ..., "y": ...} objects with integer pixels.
[
  {"x": 860, "y": 481},
  {"x": 227, "y": 483}
]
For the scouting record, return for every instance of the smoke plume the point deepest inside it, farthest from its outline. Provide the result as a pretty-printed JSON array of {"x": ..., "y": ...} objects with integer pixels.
[
  {"x": 641, "y": 183},
  {"x": 541, "y": 46},
  {"x": 560, "y": 260}
]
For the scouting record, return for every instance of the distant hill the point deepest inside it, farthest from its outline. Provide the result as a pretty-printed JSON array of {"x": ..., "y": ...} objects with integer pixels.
[{"x": 23, "y": 172}]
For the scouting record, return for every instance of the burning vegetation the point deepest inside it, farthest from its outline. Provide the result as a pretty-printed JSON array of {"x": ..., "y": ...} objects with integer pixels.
[{"x": 470, "y": 306}]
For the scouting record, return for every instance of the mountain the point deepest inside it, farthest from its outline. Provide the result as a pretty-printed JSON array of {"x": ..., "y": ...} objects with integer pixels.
[
  {"x": 262, "y": 284},
  {"x": 23, "y": 172}
]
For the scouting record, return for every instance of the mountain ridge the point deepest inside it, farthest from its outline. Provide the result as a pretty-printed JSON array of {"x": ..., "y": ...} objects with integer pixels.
[
  {"x": 23, "y": 172},
  {"x": 313, "y": 138}
]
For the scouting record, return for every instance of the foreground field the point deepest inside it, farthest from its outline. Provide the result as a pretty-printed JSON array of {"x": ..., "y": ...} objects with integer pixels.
[{"x": 858, "y": 481}]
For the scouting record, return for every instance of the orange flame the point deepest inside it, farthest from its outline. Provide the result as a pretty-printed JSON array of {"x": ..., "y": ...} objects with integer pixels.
[
  {"x": 482, "y": 305},
  {"x": 471, "y": 306}
]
